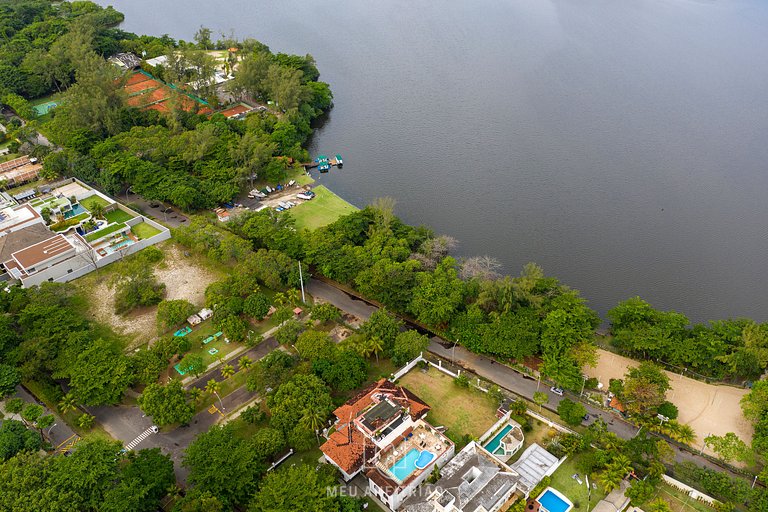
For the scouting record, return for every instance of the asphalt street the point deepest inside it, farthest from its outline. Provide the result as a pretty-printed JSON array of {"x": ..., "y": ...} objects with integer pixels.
[
  {"x": 126, "y": 423},
  {"x": 489, "y": 369}
]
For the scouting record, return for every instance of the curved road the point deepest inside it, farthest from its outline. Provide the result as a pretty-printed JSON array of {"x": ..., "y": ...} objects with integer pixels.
[{"x": 495, "y": 372}]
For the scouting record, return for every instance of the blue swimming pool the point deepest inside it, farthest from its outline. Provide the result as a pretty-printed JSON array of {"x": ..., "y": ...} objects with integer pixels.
[
  {"x": 550, "y": 501},
  {"x": 75, "y": 211},
  {"x": 410, "y": 462},
  {"x": 495, "y": 443}
]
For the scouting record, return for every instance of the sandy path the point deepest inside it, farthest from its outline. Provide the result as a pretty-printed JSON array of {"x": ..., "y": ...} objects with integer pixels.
[
  {"x": 183, "y": 278},
  {"x": 708, "y": 408}
]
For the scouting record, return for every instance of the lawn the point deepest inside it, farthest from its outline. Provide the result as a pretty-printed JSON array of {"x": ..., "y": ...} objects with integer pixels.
[
  {"x": 461, "y": 410},
  {"x": 576, "y": 492},
  {"x": 90, "y": 237},
  {"x": 324, "y": 209},
  {"x": 678, "y": 501},
  {"x": 143, "y": 230},
  {"x": 117, "y": 215},
  {"x": 89, "y": 202},
  {"x": 196, "y": 338}
]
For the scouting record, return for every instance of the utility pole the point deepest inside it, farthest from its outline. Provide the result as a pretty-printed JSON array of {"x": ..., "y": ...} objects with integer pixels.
[{"x": 301, "y": 280}]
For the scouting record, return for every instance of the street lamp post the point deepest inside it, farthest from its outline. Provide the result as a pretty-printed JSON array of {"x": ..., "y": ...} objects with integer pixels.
[
  {"x": 48, "y": 434},
  {"x": 583, "y": 383},
  {"x": 453, "y": 352}
]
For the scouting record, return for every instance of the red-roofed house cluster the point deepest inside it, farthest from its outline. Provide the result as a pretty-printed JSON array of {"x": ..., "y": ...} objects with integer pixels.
[{"x": 381, "y": 433}]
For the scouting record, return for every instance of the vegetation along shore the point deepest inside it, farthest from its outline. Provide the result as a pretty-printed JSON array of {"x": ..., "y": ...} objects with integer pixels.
[{"x": 210, "y": 370}]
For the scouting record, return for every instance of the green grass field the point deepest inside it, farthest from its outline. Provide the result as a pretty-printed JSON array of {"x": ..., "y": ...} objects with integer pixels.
[
  {"x": 576, "y": 492},
  {"x": 461, "y": 410},
  {"x": 324, "y": 209},
  {"x": 118, "y": 215},
  {"x": 90, "y": 201},
  {"x": 143, "y": 230}
]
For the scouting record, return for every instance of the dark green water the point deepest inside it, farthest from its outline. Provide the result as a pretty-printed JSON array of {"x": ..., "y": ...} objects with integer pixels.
[{"x": 621, "y": 145}]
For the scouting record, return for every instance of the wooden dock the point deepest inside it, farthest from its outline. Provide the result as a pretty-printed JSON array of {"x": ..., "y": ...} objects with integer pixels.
[{"x": 312, "y": 165}]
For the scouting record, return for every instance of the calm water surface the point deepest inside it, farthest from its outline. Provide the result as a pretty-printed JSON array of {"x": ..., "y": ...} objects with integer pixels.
[{"x": 621, "y": 145}]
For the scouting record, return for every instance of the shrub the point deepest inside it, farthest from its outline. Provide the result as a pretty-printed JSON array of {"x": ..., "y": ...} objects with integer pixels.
[{"x": 462, "y": 381}]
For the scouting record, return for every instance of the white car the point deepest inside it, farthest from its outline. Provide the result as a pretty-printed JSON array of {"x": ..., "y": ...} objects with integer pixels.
[{"x": 557, "y": 391}]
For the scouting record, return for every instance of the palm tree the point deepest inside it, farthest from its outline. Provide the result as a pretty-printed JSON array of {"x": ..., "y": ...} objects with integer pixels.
[
  {"x": 375, "y": 345},
  {"x": 621, "y": 464},
  {"x": 227, "y": 371},
  {"x": 244, "y": 363},
  {"x": 195, "y": 394},
  {"x": 67, "y": 403},
  {"x": 292, "y": 296},
  {"x": 212, "y": 387},
  {"x": 280, "y": 299},
  {"x": 85, "y": 421},
  {"x": 610, "y": 479},
  {"x": 313, "y": 420},
  {"x": 682, "y": 433},
  {"x": 97, "y": 210}
]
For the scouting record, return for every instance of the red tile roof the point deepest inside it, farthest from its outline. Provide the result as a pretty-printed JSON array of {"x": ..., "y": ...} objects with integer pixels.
[
  {"x": 615, "y": 404},
  {"x": 357, "y": 404},
  {"x": 348, "y": 452}
]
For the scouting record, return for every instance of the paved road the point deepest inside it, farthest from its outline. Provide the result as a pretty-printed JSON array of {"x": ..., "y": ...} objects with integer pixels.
[
  {"x": 491, "y": 370},
  {"x": 255, "y": 353},
  {"x": 58, "y": 434},
  {"x": 126, "y": 423}
]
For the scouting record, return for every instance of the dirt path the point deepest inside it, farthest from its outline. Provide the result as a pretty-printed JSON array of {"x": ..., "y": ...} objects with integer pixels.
[
  {"x": 708, "y": 408},
  {"x": 183, "y": 277}
]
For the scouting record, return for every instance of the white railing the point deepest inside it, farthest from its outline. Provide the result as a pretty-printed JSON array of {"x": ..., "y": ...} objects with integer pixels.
[{"x": 690, "y": 491}]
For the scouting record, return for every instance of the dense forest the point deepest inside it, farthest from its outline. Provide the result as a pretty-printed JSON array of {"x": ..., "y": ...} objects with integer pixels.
[{"x": 188, "y": 158}]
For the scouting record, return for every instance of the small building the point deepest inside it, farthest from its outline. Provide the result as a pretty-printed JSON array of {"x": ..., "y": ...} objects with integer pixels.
[
  {"x": 222, "y": 214},
  {"x": 19, "y": 171},
  {"x": 194, "y": 319},
  {"x": 617, "y": 406},
  {"x": 297, "y": 312},
  {"x": 125, "y": 61},
  {"x": 205, "y": 314},
  {"x": 616, "y": 501}
]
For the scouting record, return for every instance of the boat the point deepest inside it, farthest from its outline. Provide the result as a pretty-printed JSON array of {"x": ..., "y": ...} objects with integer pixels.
[
  {"x": 269, "y": 189},
  {"x": 339, "y": 161},
  {"x": 324, "y": 167},
  {"x": 283, "y": 205},
  {"x": 305, "y": 196},
  {"x": 321, "y": 159},
  {"x": 291, "y": 183}
]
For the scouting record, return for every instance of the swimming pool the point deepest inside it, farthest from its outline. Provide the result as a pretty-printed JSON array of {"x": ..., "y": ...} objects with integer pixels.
[
  {"x": 553, "y": 501},
  {"x": 495, "y": 443},
  {"x": 75, "y": 211},
  {"x": 114, "y": 248},
  {"x": 410, "y": 462},
  {"x": 44, "y": 108}
]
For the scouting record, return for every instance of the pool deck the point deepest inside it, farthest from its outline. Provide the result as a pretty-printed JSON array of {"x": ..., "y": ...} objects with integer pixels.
[{"x": 422, "y": 439}]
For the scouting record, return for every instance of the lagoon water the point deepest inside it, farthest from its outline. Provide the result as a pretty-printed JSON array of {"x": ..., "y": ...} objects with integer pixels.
[{"x": 621, "y": 145}]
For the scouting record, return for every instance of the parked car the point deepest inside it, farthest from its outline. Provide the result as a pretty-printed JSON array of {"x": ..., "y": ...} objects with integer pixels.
[
  {"x": 557, "y": 391},
  {"x": 586, "y": 417}
]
